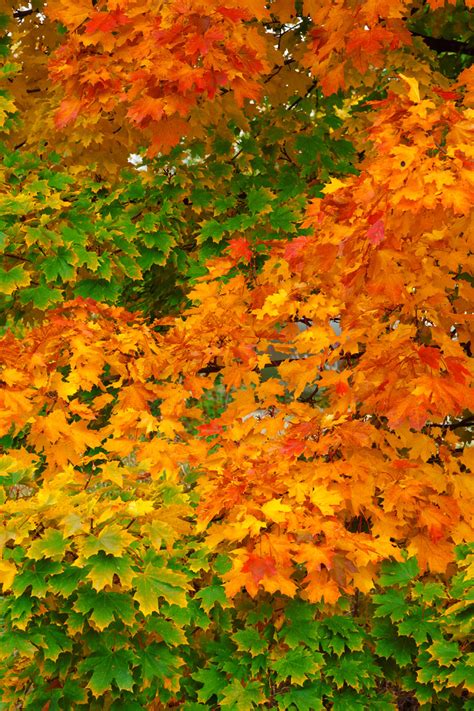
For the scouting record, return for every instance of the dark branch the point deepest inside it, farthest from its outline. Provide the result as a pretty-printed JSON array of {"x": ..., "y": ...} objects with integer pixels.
[
  {"x": 440, "y": 44},
  {"x": 20, "y": 14},
  {"x": 300, "y": 98},
  {"x": 466, "y": 422},
  {"x": 215, "y": 368},
  {"x": 16, "y": 256},
  {"x": 278, "y": 69}
]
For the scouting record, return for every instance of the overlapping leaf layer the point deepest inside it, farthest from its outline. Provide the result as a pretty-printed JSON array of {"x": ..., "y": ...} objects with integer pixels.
[{"x": 236, "y": 417}]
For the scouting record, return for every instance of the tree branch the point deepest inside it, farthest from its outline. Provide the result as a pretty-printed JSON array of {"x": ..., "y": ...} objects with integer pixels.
[
  {"x": 20, "y": 14},
  {"x": 214, "y": 368},
  {"x": 466, "y": 422},
  {"x": 440, "y": 44},
  {"x": 313, "y": 86},
  {"x": 16, "y": 256}
]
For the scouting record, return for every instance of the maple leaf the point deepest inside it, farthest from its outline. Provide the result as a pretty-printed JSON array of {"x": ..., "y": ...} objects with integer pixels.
[
  {"x": 106, "y": 21},
  {"x": 153, "y": 583},
  {"x": 112, "y": 666},
  {"x": 325, "y": 499},
  {"x": 413, "y": 92},
  {"x": 433, "y": 555},
  {"x": 376, "y": 232},
  {"x": 275, "y": 510},
  {"x": 259, "y": 567},
  {"x": 323, "y": 344},
  {"x": 239, "y": 248},
  {"x": 67, "y": 112},
  {"x": 51, "y": 545},
  {"x": 112, "y": 539},
  {"x": 8, "y": 571}
]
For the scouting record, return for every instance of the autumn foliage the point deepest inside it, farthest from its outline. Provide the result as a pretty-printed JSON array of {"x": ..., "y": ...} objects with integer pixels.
[{"x": 236, "y": 382}]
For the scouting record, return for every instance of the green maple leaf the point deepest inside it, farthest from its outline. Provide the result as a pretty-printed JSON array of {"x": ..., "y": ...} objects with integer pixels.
[
  {"x": 15, "y": 642},
  {"x": 72, "y": 694},
  {"x": 347, "y": 670},
  {"x": 66, "y": 582},
  {"x": 444, "y": 652},
  {"x": 428, "y": 592},
  {"x": 170, "y": 632},
  {"x": 35, "y": 577},
  {"x": 51, "y": 545},
  {"x": 157, "y": 661},
  {"x": 104, "y": 567},
  {"x": 54, "y": 642},
  {"x": 309, "y": 698},
  {"x": 283, "y": 218},
  {"x": 213, "y": 682},
  {"x": 258, "y": 199},
  {"x": 201, "y": 197},
  {"x": 154, "y": 583},
  {"x": 87, "y": 257},
  {"x": 297, "y": 664},
  {"x": 109, "y": 667},
  {"x": 21, "y": 610},
  {"x": 463, "y": 674},
  {"x": 75, "y": 622},
  {"x": 104, "y": 606},
  {"x": 148, "y": 257},
  {"x": 129, "y": 266},
  {"x": 390, "y": 645},
  {"x": 98, "y": 289},
  {"x": 59, "y": 181},
  {"x": 110, "y": 540},
  {"x": 398, "y": 573},
  {"x": 222, "y": 564},
  {"x": 419, "y": 625},
  {"x": 59, "y": 266},
  {"x": 345, "y": 633},
  {"x": 429, "y": 671},
  {"x": 349, "y": 700},
  {"x": 12, "y": 279},
  {"x": 391, "y": 604},
  {"x": 249, "y": 640},
  {"x": 41, "y": 296},
  {"x": 211, "y": 595},
  {"x": 237, "y": 697},
  {"x": 301, "y": 625},
  {"x": 211, "y": 229},
  {"x": 311, "y": 634}
]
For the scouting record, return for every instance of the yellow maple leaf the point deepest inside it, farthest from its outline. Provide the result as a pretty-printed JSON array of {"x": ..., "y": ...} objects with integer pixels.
[
  {"x": 275, "y": 510},
  {"x": 333, "y": 185},
  {"x": 7, "y": 573},
  {"x": 112, "y": 471},
  {"x": 139, "y": 507},
  {"x": 413, "y": 91},
  {"x": 325, "y": 499}
]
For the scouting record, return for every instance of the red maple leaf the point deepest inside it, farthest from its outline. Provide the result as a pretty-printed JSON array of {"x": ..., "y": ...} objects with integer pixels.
[
  {"x": 259, "y": 567},
  {"x": 239, "y": 248},
  {"x": 376, "y": 232},
  {"x": 430, "y": 356},
  {"x": 106, "y": 22}
]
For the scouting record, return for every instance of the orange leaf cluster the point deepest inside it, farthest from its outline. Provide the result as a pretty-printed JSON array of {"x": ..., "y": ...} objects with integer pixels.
[
  {"x": 157, "y": 59},
  {"x": 370, "y": 312},
  {"x": 350, "y": 40},
  {"x": 80, "y": 389}
]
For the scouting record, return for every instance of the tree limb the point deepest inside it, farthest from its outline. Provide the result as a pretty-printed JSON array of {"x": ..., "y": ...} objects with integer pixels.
[
  {"x": 440, "y": 44},
  {"x": 466, "y": 422},
  {"x": 20, "y": 14}
]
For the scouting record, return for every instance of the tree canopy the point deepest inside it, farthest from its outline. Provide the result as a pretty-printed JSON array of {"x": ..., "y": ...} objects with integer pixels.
[{"x": 236, "y": 298}]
